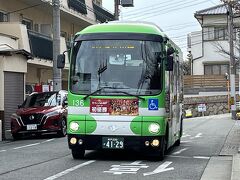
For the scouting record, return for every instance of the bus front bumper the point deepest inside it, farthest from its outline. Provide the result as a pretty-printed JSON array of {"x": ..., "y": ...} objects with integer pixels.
[{"x": 98, "y": 142}]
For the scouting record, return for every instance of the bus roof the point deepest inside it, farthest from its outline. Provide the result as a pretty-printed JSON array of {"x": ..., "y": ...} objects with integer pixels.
[
  {"x": 127, "y": 27},
  {"x": 123, "y": 27}
]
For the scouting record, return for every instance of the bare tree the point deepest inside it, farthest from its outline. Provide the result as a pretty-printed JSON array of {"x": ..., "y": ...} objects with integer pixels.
[{"x": 186, "y": 67}]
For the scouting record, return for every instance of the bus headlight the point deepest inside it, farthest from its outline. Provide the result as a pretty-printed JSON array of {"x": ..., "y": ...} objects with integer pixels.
[
  {"x": 74, "y": 126},
  {"x": 154, "y": 128}
]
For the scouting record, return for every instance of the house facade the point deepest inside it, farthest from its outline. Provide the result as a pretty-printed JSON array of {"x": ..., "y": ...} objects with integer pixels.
[
  {"x": 26, "y": 46},
  {"x": 210, "y": 46}
]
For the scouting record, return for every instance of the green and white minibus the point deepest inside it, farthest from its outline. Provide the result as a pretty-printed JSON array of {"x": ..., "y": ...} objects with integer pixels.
[{"x": 125, "y": 89}]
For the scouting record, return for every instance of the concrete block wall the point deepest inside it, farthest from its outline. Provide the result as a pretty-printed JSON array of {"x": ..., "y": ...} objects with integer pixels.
[{"x": 214, "y": 105}]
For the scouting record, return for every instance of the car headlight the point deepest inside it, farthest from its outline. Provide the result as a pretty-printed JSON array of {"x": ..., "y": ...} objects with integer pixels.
[
  {"x": 74, "y": 126},
  {"x": 54, "y": 113},
  {"x": 15, "y": 116},
  {"x": 154, "y": 128}
]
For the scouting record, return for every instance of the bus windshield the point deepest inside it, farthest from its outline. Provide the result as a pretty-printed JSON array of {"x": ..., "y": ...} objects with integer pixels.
[{"x": 116, "y": 66}]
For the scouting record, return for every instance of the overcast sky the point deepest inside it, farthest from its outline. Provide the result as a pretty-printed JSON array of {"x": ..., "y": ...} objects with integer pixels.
[{"x": 175, "y": 17}]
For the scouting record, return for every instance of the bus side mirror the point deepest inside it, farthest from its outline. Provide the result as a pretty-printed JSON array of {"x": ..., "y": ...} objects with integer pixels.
[
  {"x": 169, "y": 63},
  {"x": 170, "y": 51},
  {"x": 61, "y": 61}
]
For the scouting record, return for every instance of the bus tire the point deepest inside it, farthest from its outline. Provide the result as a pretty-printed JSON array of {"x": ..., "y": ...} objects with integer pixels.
[
  {"x": 178, "y": 142},
  {"x": 78, "y": 153},
  {"x": 163, "y": 148},
  {"x": 159, "y": 154}
]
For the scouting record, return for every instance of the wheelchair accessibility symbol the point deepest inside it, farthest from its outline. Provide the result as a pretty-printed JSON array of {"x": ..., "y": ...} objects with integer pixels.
[{"x": 153, "y": 104}]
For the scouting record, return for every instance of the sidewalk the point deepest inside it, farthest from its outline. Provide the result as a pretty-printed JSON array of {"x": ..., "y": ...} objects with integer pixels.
[{"x": 226, "y": 166}]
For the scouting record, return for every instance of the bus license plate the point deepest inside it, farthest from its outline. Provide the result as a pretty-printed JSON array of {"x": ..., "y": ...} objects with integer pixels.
[
  {"x": 31, "y": 127},
  {"x": 112, "y": 143}
]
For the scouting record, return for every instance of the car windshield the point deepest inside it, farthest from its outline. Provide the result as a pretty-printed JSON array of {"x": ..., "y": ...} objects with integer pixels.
[
  {"x": 130, "y": 66},
  {"x": 42, "y": 99}
]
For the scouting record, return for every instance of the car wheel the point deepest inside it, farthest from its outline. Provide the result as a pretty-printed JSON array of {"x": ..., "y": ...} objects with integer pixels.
[
  {"x": 78, "y": 153},
  {"x": 16, "y": 136},
  {"x": 63, "y": 131}
]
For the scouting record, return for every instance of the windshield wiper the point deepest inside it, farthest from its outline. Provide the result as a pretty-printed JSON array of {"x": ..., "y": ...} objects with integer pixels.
[
  {"x": 106, "y": 87},
  {"x": 98, "y": 90},
  {"x": 137, "y": 96}
]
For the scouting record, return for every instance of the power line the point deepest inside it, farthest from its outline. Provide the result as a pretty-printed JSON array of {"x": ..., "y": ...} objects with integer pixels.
[
  {"x": 148, "y": 7},
  {"x": 161, "y": 8},
  {"x": 29, "y": 7},
  {"x": 172, "y": 10}
]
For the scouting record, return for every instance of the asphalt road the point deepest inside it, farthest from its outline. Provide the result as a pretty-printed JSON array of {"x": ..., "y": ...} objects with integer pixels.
[{"x": 48, "y": 157}]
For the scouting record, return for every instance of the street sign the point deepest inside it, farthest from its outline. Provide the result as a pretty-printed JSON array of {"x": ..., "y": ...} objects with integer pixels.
[{"x": 202, "y": 108}]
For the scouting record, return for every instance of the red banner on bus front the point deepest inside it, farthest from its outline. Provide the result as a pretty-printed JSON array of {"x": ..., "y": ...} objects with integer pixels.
[{"x": 114, "y": 106}]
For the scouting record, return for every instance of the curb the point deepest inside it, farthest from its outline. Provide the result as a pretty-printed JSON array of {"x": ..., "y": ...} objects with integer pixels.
[{"x": 236, "y": 167}]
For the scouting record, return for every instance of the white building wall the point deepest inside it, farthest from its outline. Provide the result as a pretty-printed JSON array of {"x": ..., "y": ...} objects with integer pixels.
[
  {"x": 198, "y": 68},
  {"x": 196, "y": 44},
  {"x": 212, "y": 52},
  {"x": 209, "y": 52}
]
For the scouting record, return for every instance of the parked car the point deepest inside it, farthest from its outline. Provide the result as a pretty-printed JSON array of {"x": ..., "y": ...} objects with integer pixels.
[{"x": 41, "y": 113}]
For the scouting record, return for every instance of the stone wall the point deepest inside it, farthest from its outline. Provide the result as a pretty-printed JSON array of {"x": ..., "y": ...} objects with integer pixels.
[{"x": 214, "y": 105}]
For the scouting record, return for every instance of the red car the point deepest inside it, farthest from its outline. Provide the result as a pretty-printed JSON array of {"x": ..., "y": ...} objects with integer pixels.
[{"x": 41, "y": 113}]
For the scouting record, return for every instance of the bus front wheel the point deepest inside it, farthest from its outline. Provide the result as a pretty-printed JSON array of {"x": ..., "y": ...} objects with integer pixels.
[
  {"x": 78, "y": 153},
  {"x": 159, "y": 154},
  {"x": 163, "y": 148}
]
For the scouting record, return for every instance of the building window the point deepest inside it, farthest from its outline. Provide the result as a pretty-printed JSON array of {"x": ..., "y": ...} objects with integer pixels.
[
  {"x": 28, "y": 23},
  {"x": 216, "y": 69},
  {"x": 208, "y": 33},
  {"x": 3, "y": 17},
  {"x": 220, "y": 33},
  {"x": 216, "y": 33},
  {"x": 78, "y": 5}
]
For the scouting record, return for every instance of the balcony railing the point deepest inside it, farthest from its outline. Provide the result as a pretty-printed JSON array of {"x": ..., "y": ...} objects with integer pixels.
[
  {"x": 41, "y": 45},
  {"x": 101, "y": 14},
  {"x": 78, "y": 5}
]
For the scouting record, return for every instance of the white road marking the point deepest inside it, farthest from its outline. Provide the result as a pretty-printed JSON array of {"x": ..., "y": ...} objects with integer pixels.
[
  {"x": 3, "y": 151},
  {"x": 69, "y": 170},
  {"x": 197, "y": 136},
  {"x": 29, "y": 145},
  {"x": 185, "y": 141},
  {"x": 184, "y": 157},
  {"x": 201, "y": 157},
  {"x": 131, "y": 168},
  {"x": 189, "y": 157},
  {"x": 180, "y": 151},
  {"x": 48, "y": 140},
  {"x": 161, "y": 168},
  {"x": 186, "y": 135}
]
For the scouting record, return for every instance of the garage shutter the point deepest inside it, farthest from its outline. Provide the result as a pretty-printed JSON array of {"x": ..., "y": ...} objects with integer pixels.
[{"x": 13, "y": 96}]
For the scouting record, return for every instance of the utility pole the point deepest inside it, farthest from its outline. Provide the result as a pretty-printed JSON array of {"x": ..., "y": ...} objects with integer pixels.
[
  {"x": 239, "y": 61},
  {"x": 116, "y": 9},
  {"x": 57, "y": 73},
  {"x": 232, "y": 60}
]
